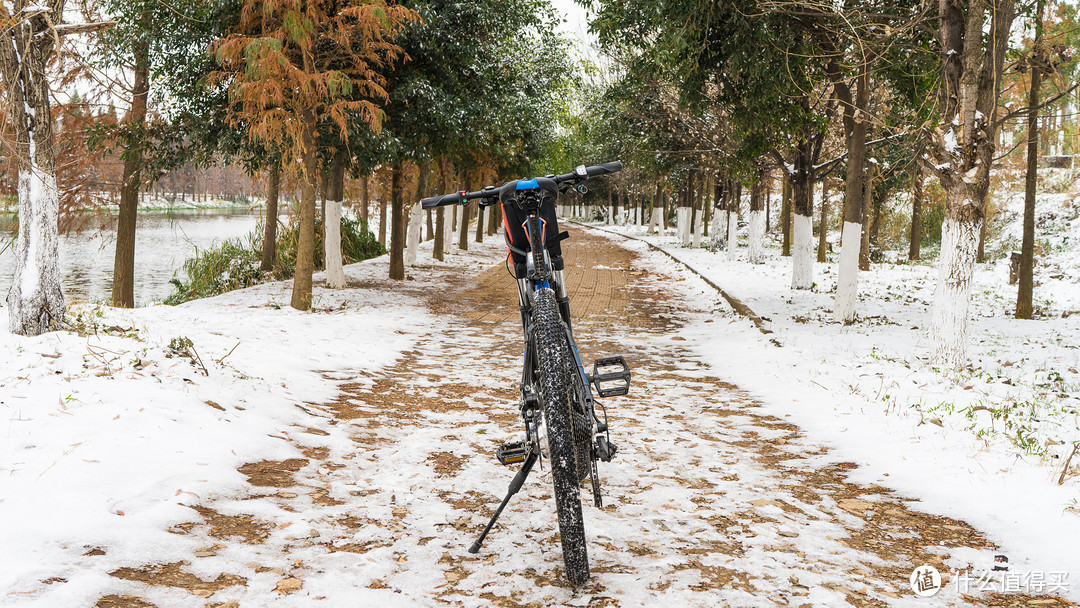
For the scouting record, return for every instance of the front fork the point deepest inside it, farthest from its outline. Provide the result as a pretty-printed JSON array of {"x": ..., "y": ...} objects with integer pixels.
[{"x": 525, "y": 289}]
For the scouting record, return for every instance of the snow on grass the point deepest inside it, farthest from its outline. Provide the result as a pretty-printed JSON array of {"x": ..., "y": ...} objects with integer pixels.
[
  {"x": 986, "y": 444},
  {"x": 108, "y": 432}
]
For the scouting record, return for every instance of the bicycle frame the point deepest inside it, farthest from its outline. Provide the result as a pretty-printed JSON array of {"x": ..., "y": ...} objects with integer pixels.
[{"x": 541, "y": 275}]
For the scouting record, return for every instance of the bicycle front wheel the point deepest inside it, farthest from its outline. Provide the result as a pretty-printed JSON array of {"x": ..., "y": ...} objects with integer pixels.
[{"x": 553, "y": 359}]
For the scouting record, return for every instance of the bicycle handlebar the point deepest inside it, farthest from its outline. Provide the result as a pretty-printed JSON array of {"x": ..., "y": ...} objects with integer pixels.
[
  {"x": 460, "y": 198},
  {"x": 446, "y": 199},
  {"x": 604, "y": 168}
]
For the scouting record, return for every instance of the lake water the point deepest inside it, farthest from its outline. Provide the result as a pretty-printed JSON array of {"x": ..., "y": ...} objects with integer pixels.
[{"x": 163, "y": 240}]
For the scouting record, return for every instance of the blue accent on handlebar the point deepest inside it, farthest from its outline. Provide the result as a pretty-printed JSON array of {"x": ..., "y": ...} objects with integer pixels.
[{"x": 527, "y": 184}]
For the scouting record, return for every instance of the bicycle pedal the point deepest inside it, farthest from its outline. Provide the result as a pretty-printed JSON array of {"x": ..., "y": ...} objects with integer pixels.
[
  {"x": 605, "y": 449},
  {"x": 512, "y": 452},
  {"x": 611, "y": 376}
]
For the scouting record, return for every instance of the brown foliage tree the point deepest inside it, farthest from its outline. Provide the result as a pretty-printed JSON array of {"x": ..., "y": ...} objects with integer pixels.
[{"x": 292, "y": 65}]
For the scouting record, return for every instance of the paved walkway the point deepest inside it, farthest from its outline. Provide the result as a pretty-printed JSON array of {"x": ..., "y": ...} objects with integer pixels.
[{"x": 710, "y": 502}]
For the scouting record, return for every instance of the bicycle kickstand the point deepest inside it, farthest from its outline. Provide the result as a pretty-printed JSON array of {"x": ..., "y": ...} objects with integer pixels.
[{"x": 515, "y": 485}]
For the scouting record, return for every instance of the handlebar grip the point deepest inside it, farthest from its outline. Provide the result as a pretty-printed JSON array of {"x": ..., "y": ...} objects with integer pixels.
[
  {"x": 454, "y": 198},
  {"x": 604, "y": 169}
]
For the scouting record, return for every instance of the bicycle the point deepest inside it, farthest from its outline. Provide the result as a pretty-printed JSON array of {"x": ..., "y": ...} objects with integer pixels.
[{"x": 557, "y": 404}]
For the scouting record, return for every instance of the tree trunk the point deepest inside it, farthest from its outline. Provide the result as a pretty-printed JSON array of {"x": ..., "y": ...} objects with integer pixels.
[
  {"x": 973, "y": 56},
  {"x": 802, "y": 206},
  {"x": 608, "y": 208},
  {"x": 980, "y": 255},
  {"x": 876, "y": 204},
  {"x": 785, "y": 217},
  {"x": 682, "y": 218},
  {"x": 463, "y": 225},
  {"x": 851, "y": 239},
  {"x": 397, "y": 225},
  {"x": 335, "y": 193},
  {"x": 1026, "y": 287},
  {"x": 123, "y": 287},
  {"x": 664, "y": 204},
  {"x": 698, "y": 211},
  {"x": 851, "y": 232},
  {"x": 956, "y": 266},
  {"x": 734, "y": 203},
  {"x": 768, "y": 203},
  {"x": 915, "y": 235},
  {"x": 868, "y": 202},
  {"x": 756, "y": 236},
  {"x": 695, "y": 214},
  {"x": 305, "y": 246},
  {"x": 480, "y": 224},
  {"x": 416, "y": 217},
  {"x": 35, "y": 300},
  {"x": 716, "y": 243},
  {"x": 657, "y": 212},
  {"x": 441, "y": 221},
  {"x": 706, "y": 208},
  {"x": 823, "y": 229},
  {"x": 613, "y": 199},
  {"x": 324, "y": 184},
  {"x": 382, "y": 223},
  {"x": 269, "y": 245},
  {"x": 365, "y": 197}
]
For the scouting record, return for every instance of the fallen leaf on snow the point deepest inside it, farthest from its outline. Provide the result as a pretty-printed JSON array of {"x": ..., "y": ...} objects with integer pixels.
[{"x": 288, "y": 585}]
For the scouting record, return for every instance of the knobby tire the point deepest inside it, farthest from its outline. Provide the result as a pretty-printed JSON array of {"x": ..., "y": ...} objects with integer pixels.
[{"x": 554, "y": 362}]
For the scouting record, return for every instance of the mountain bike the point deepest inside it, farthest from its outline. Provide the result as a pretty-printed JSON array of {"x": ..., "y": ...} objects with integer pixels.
[{"x": 557, "y": 404}]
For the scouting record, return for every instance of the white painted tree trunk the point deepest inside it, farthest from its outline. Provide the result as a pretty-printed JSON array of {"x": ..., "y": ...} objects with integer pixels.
[
  {"x": 654, "y": 219},
  {"x": 802, "y": 252},
  {"x": 847, "y": 278},
  {"x": 699, "y": 221},
  {"x": 35, "y": 300},
  {"x": 756, "y": 237},
  {"x": 949, "y": 314},
  {"x": 682, "y": 223},
  {"x": 335, "y": 274},
  {"x": 717, "y": 230},
  {"x": 412, "y": 239},
  {"x": 732, "y": 234},
  {"x": 448, "y": 228}
]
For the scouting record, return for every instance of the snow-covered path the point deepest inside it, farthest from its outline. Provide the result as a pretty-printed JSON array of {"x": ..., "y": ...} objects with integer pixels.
[{"x": 709, "y": 502}]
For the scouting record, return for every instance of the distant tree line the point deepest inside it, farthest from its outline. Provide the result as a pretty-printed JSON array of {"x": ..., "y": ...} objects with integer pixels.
[{"x": 714, "y": 102}]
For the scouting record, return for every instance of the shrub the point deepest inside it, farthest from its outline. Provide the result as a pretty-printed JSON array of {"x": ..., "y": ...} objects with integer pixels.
[{"x": 235, "y": 263}]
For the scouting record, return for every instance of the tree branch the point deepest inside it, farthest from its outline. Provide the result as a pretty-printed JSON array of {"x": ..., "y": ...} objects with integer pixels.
[{"x": 82, "y": 28}]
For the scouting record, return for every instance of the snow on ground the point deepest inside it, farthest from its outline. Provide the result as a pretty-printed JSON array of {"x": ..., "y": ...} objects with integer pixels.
[
  {"x": 986, "y": 445},
  {"x": 108, "y": 432}
]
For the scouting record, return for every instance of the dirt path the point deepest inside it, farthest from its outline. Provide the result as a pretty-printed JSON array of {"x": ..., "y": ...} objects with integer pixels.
[{"x": 709, "y": 502}]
